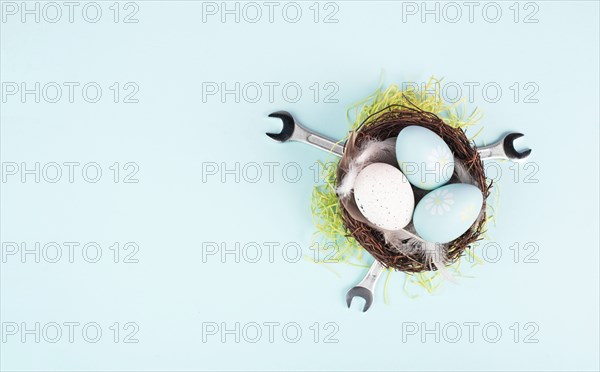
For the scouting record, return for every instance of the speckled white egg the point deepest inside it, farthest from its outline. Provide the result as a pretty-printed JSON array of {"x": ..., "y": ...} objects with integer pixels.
[
  {"x": 424, "y": 157},
  {"x": 384, "y": 196},
  {"x": 446, "y": 213}
]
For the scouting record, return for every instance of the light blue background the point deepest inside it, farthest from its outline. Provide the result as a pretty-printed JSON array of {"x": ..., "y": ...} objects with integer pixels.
[{"x": 170, "y": 212}]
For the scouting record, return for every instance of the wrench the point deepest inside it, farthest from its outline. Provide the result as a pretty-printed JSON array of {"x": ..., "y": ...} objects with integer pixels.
[
  {"x": 504, "y": 149},
  {"x": 366, "y": 288},
  {"x": 294, "y": 131}
]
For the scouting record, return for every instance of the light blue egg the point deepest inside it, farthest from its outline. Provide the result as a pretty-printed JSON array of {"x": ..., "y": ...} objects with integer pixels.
[
  {"x": 446, "y": 213},
  {"x": 424, "y": 157}
]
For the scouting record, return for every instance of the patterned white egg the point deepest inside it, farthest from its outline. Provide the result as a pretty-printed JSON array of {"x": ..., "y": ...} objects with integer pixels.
[
  {"x": 446, "y": 213},
  {"x": 424, "y": 157},
  {"x": 384, "y": 196}
]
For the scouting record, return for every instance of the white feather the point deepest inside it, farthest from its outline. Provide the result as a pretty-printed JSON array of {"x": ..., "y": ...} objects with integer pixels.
[
  {"x": 462, "y": 174},
  {"x": 345, "y": 187},
  {"x": 370, "y": 152},
  {"x": 373, "y": 148}
]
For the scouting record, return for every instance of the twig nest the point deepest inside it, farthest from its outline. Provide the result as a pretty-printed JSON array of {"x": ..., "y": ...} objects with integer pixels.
[{"x": 386, "y": 125}]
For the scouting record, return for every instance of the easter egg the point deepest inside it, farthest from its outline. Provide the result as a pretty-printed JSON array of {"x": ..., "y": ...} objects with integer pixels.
[
  {"x": 446, "y": 213},
  {"x": 424, "y": 157},
  {"x": 384, "y": 196}
]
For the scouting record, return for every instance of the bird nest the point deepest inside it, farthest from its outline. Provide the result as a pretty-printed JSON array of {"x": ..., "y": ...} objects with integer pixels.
[{"x": 387, "y": 123}]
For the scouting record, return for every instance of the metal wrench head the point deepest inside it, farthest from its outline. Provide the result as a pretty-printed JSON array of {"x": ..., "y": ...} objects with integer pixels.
[
  {"x": 362, "y": 292},
  {"x": 289, "y": 126},
  {"x": 509, "y": 147}
]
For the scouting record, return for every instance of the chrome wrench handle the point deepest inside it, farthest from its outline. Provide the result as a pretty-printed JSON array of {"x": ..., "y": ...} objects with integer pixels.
[
  {"x": 370, "y": 280},
  {"x": 325, "y": 143}
]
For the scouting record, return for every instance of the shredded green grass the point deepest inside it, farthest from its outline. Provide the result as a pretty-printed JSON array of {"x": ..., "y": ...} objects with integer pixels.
[{"x": 325, "y": 206}]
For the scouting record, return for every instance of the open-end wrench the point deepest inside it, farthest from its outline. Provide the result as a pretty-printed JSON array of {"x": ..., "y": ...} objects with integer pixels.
[
  {"x": 366, "y": 288},
  {"x": 504, "y": 149},
  {"x": 294, "y": 131}
]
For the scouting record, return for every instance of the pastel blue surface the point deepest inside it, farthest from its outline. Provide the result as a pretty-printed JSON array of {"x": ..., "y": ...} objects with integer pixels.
[
  {"x": 447, "y": 212},
  {"x": 221, "y": 213},
  {"x": 424, "y": 157}
]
